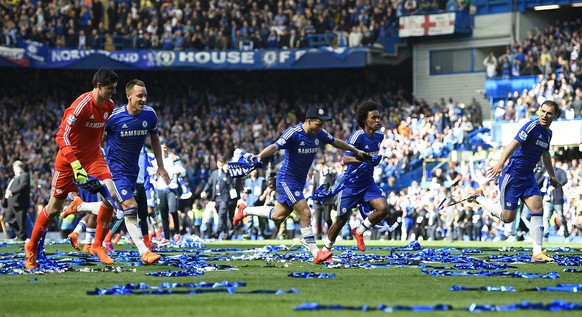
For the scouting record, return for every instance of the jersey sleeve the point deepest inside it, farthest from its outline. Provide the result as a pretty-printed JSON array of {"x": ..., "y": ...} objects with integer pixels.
[
  {"x": 153, "y": 123},
  {"x": 69, "y": 125},
  {"x": 286, "y": 138},
  {"x": 354, "y": 141},
  {"x": 523, "y": 133},
  {"x": 328, "y": 138}
]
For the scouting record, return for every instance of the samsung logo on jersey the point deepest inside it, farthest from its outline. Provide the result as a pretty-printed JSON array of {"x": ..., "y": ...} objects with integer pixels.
[
  {"x": 133, "y": 133},
  {"x": 307, "y": 151},
  {"x": 542, "y": 143},
  {"x": 95, "y": 125}
]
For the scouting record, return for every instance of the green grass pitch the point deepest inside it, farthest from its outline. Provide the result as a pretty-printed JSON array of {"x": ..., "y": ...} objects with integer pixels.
[{"x": 65, "y": 294}]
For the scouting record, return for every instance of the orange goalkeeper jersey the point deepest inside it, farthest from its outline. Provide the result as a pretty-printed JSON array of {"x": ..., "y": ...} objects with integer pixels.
[{"x": 81, "y": 129}]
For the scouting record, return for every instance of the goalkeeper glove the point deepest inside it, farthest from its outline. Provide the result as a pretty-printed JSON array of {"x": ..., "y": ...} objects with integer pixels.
[{"x": 79, "y": 173}]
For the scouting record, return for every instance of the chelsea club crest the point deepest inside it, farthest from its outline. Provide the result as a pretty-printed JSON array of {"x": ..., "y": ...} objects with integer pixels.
[{"x": 269, "y": 58}]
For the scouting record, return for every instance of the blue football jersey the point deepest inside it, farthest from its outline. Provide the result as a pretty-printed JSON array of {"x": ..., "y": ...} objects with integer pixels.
[
  {"x": 301, "y": 149},
  {"x": 369, "y": 144},
  {"x": 126, "y": 135},
  {"x": 534, "y": 141}
]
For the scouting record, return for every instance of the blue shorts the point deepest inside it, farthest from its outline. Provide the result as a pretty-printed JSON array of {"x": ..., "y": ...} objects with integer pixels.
[
  {"x": 513, "y": 188},
  {"x": 351, "y": 197},
  {"x": 290, "y": 193},
  {"x": 88, "y": 197},
  {"x": 125, "y": 187}
]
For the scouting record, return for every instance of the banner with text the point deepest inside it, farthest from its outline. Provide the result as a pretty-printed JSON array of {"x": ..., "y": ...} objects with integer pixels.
[
  {"x": 38, "y": 56},
  {"x": 427, "y": 25}
]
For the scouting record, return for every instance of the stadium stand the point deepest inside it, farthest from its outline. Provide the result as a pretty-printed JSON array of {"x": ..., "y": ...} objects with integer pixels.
[{"x": 200, "y": 25}]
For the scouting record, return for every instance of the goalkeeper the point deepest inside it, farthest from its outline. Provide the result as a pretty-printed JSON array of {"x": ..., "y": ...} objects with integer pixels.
[{"x": 79, "y": 137}]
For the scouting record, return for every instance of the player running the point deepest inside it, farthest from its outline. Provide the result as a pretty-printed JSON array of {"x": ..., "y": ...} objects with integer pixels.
[
  {"x": 363, "y": 190},
  {"x": 78, "y": 138},
  {"x": 518, "y": 179},
  {"x": 127, "y": 130}
]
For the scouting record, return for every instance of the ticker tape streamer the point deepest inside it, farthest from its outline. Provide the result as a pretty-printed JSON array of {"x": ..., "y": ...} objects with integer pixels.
[
  {"x": 555, "y": 305},
  {"x": 381, "y": 307},
  {"x": 188, "y": 272},
  {"x": 311, "y": 275},
  {"x": 550, "y": 275},
  {"x": 167, "y": 288},
  {"x": 184, "y": 288},
  {"x": 569, "y": 288},
  {"x": 483, "y": 288}
]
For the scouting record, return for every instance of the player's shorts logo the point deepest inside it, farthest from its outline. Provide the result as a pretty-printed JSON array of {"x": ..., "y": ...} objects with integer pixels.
[
  {"x": 124, "y": 192},
  {"x": 297, "y": 193},
  {"x": 508, "y": 204}
]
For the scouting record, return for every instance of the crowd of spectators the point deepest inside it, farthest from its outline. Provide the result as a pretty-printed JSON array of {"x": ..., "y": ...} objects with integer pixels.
[
  {"x": 553, "y": 55},
  {"x": 220, "y": 25},
  {"x": 204, "y": 115},
  {"x": 467, "y": 221}
]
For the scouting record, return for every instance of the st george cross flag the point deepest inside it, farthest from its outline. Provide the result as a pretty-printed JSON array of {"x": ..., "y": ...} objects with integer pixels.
[{"x": 427, "y": 25}]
